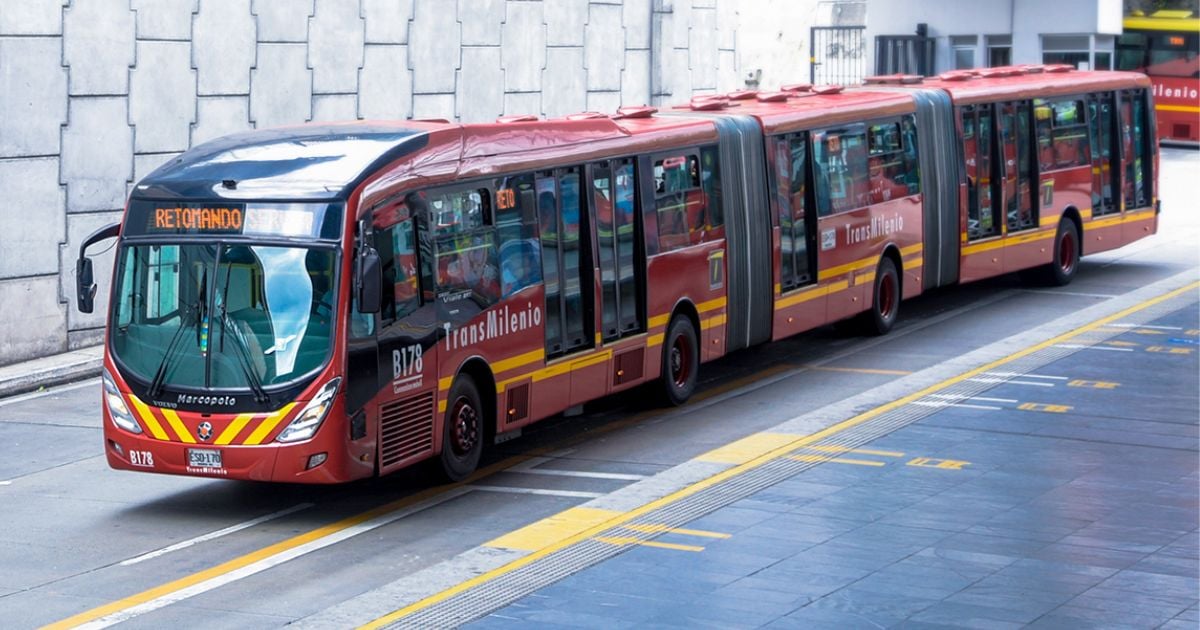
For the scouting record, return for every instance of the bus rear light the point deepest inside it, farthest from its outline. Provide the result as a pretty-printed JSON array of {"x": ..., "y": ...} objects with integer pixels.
[
  {"x": 117, "y": 408},
  {"x": 310, "y": 418},
  {"x": 316, "y": 460}
]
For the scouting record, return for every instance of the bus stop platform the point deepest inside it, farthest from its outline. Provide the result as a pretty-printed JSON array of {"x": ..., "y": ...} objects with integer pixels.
[{"x": 1048, "y": 480}]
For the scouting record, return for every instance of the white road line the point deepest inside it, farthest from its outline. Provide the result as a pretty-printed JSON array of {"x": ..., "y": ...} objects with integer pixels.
[
  {"x": 1083, "y": 346},
  {"x": 1146, "y": 326},
  {"x": 983, "y": 398},
  {"x": 1009, "y": 382},
  {"x": 528, "y": 467},
  {"x": 270, "y": 561},
  {"x": 1019, "y": 375},
  {"x": 217, "y": 534},
  {"x": 6, "y": 483},
  {"x": 575, "y": 494},
  {"x": 935, "y": 403},
  {"x": 94, "y": 382},
  {"x": 1106, "y": 296}
]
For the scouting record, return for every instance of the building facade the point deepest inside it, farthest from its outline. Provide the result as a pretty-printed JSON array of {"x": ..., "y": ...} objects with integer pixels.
[{"x": 94, "y": 94}]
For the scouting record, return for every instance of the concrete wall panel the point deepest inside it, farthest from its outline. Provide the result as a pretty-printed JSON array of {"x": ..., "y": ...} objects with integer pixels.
[
  {"x": 433, "y": 51},
  {"x": 519, "y": 103},
  {"x": 283, "y": 20},
  {"x": 385, "y": 83},
  {"x": 635, "y": 17},
  {"x": 223, "y": 46},
  {"x": 565, "y": 21},
  {"x": 98, "y": 46},
  {"x": 605, "y": 49},
  {"x": 32, "y": 322},
  {"x": 217, "y": 116},
  {"x": 79, "y": 227},
  {"x": 606, "y": 102},
  {"x": 335, "y": 46},
  {"x": 433, "y": 106},
  {"x": 164, "y": 19},
  {"x": 31, "y": 17},
  {"x": 387, "y": 20},
  {"x": 635, "y": 80},
  {"x": 480, "y": 85},
  {"x": 33, "y": 96},
  {"x": 32, "y": 218},
  {"x": 481, "y": 21},
  {"x": 703, "y": 49},
  {"x": 524, "y": 47},
  {"x": 162, "y": 96},
  {"x": 281, "y": 86},
  {"x": 97, "y": 154},
  {"x": 334, "y": 107},
  {"x": 565, "y": 86}
]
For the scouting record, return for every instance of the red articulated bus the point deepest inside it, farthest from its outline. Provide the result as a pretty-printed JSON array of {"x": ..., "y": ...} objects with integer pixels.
[
  {"x": 1166, "y": 46},
  {"x": 330, "y": 302}
]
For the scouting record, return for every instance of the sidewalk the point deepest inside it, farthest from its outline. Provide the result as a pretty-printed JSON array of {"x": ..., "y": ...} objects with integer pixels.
[{"x": 28, "y": 376}]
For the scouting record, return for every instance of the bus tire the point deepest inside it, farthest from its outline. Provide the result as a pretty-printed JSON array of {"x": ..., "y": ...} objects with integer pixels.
[
  {"x": 463, "y": 430},
  {"x": 1066, "y": 255},
  {"x": 680, "y": 361},
  {"x": 885, "y": 300}
]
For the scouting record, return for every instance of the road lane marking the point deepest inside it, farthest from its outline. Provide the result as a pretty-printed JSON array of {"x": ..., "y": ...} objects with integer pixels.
[
  {"x": 217, "y": 534},
  {"x": 935, "y": 403},
  {"x": 1005, "y": 381},
  {"x": 576, "y": 494},
  {"x": 1046, "y": 407},
  {"x": 860, "y": 451},
  {"x": 1146, "y": 326},
  {"x": 982, "y": 398},
  {"x": 661, "y": 529},
  {"x": 1019, "y": 375},
  {"x": 528, "y": 467},
  {"x": 1080, "y": 346}
]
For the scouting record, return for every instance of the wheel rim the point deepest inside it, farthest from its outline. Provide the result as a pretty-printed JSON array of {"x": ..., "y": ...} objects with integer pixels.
[
  {"x": 681, "y": 362},
  {"x": 464, "y": 433},
  {"x": 1066, "y": 252},
  {"x": 887, "y": 296}
]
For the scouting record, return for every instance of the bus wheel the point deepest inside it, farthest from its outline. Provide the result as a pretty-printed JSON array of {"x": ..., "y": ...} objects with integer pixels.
[
  {"x": 1066, "y": 254},
  {"x": 462, "y": 435},
  {"x": 681, "y": 361},
  {"x": 885, "y": 302}
]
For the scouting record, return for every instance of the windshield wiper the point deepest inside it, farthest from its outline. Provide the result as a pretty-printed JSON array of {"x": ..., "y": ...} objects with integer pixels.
[
  {"x": 187, "y": 322},
  {"x": 243, "y": 355}
]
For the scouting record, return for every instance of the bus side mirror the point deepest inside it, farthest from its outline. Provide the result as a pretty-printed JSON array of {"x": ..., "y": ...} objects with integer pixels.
[
  {"x": 85, "y": 285},
  {"x": 368, "y": 280}
]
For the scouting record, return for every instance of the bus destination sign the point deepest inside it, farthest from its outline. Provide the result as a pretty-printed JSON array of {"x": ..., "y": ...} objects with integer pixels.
[
  {"x": 197, "y": 219},
  {"x": 287, "y": 220}
]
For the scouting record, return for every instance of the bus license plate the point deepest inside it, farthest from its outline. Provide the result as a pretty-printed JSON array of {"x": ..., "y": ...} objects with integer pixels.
[{"x": 204, "y": 458}]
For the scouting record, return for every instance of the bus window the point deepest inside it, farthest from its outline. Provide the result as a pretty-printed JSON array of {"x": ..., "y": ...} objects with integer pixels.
[
  {"x": 1134, "y": 138},
  {"x": 889, "y": 161},
  {"x": 625, "y": 196},
  {"x": 710, "y": 181},
  {"x": 840, "y": 161},
  {"x": 982, "y": 182},
  {"x": 572, "y": 259},
  {"x": 912, "y": 166},
  {"x": 1069, "y": 137},
  {"x": 517, "y": 230},
  {"x": 1027, "y": 216},
  {"x": 464, "y": 247},
  {"x": 680, "y": 202},
  {"x": 1100, "y": 120},
  {"x": 1041, "y": 125},
  {"x": 565, "y": 259}
]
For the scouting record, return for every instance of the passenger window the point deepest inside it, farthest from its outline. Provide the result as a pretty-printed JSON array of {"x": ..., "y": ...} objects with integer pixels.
[
  {"x": 464, "y": 246},
  {"x": 888, "y": 163},
  {"x": 395, "y": 239},
  {"x": 710, "y": 180},
  {"x": 840, "y": 160},
  {"x": 517, "y": 230},
  {"x": 789, "y": 173},
  {"x": 680, "y": 202},
  {"x": 1070, "y": 135}
]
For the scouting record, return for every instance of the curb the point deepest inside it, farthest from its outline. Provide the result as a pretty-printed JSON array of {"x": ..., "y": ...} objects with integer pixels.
[{"x": 20, "y": 378}]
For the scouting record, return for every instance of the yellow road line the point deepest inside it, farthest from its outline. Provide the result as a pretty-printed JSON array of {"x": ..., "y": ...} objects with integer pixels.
[
  {"x": 783, "y": 450},
  {"x": 836, "y": 460},
  {"x": 661, "y": 529},
  {"x": 861, "y": 451},
  {"x": 621, "y": 541}
]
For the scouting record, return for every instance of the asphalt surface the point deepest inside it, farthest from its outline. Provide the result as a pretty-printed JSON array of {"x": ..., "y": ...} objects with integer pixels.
[{"x": 154, "y": 551}]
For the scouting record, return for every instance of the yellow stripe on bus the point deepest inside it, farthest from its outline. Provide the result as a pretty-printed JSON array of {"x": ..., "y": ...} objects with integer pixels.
[
  {"x": 177, "y": 425},
  {"x": 911, "y": 249},
  {"x": 148, "y": 418},
  {"x": 704, "y": 307},
  {"x": 811, "y": 294},
  {"x": 715, "y": 320},
  {"x": 1191, "y": 109},
  {"x": 267, "y": 425},
  {"x": 233, "y": 429}
]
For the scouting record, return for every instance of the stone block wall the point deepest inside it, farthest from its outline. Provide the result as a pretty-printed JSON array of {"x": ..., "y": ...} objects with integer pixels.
[{"x": 94, "y": 94}]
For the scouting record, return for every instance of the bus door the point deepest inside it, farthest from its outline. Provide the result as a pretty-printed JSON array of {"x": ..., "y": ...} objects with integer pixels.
[
  {"x": 983, "y": 191},
  {"x": 1018, "y": 196},
  {"x": 1136, "y": 151},
  {"x": 1102, "y": 129},
  {"x": 613, "y": 186},
  {"x": 567, "y": 272},
  {"x": 406, "y": 334}
]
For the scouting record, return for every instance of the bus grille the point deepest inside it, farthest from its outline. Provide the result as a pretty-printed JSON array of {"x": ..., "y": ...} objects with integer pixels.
[{"x": 406, "y": 429}]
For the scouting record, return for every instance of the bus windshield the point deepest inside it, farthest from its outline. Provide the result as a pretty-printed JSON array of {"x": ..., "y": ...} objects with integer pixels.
[
  {"x": 222, "y": 315},
  {"x": 1160, "y": 54}
]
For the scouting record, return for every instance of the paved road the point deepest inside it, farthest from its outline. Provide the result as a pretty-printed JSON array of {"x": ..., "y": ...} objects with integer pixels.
[{"x": 79, "y": 537}]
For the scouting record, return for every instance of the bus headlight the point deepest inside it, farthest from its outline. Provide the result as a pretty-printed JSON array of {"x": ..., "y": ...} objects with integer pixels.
[
  {"x": 313, "y": 414},
  {"x": 117, "y": 409}
]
